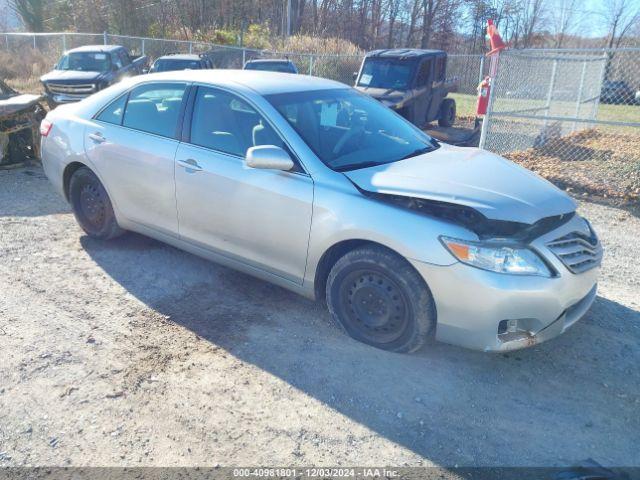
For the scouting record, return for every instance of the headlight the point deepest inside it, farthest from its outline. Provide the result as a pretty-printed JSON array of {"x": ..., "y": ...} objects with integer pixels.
[{"x": 495, "y": 257}]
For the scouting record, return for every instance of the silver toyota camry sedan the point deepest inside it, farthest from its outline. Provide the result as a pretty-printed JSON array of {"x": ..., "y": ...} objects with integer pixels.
[{"x": 306, "y": 183}]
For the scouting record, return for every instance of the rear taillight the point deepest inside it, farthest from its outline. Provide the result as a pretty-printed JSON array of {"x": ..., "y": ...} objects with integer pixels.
[{"x": 45, "y": 127}]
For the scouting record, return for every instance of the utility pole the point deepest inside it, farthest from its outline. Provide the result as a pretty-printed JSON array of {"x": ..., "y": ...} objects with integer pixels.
[{"x": 286, "y": 18}]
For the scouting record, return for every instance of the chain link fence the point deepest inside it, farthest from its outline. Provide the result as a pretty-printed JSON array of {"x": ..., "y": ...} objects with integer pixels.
[
  {"x": 571, "y": 115},
  {"x": 467, "y": 68}
]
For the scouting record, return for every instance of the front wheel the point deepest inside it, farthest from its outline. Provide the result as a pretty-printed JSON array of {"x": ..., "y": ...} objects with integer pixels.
[
  {"x": 378, "y": 298},
  {"x": 92, "y": 206},
  {"x": 447, "y": 115}
]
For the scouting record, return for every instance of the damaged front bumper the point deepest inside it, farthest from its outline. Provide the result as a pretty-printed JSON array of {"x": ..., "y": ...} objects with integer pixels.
[
  {"x": 498, "y": 312},
  {"x": 20, "y": 117},
  {"x": 62, "y": 98}
]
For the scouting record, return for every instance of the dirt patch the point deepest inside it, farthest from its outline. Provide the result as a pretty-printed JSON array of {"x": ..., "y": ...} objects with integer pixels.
[
  {"x": 592, "y": 162},
  {"x": 133, "y": 353}
]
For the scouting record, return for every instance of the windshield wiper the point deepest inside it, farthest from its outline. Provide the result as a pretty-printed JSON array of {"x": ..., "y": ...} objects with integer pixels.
[
  {"x": 417, "y": 152},
  {"x": 356, "y": 166}
]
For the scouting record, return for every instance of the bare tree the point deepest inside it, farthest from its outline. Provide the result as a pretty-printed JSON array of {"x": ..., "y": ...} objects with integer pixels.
[
  {"x": 621, "y": 17},
  {"x": 416, "y": 10},
  {"x": 394, "y": 9},
  {"x": 532, "y": 17},
  {"x": 31, "y": 12}
]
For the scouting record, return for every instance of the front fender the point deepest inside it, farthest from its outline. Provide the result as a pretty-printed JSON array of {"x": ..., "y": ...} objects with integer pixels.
[{"x": 340, "y": 215}]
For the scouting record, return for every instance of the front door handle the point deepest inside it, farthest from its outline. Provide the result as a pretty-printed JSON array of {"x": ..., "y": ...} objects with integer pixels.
[
  {"x": 97, "y": 137},
  {"x": 190, "y": 164}
]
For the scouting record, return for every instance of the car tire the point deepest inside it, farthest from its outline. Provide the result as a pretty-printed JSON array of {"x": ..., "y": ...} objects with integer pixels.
[
  {"x": 91, "y": 205},
  {"x": 447, "y": 115},
  {"x": 378, "y": 298}
]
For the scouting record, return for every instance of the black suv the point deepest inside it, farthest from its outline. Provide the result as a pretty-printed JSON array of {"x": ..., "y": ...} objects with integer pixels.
[
  {"x": 618, "y": 92},
  {"x": 410, "y": 81}
]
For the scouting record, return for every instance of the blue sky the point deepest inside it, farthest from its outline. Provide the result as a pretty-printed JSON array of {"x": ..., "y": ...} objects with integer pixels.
[{"x": 592, "y": 24}]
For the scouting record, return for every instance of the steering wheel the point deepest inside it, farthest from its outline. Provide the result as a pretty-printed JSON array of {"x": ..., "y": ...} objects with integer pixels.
[{"x": 355, "y": 131}]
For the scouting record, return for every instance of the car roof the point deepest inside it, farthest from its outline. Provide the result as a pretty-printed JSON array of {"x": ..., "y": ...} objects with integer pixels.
[
  {"x": 180, "y": 56},
  {"x": 95, "y": 48},
  {"x": 262, "y": 82},
  {"x": 404, "y": 53},
  {"x": 270, "y": 60}
]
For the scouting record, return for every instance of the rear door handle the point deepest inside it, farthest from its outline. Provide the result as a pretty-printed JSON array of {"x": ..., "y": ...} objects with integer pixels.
[
  {"x": 97, "y": 137},
  {"x": 190, "y": 164}
]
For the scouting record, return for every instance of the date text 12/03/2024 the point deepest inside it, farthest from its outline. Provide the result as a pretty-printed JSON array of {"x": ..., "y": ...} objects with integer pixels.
[{"x": 316, "y": 472}]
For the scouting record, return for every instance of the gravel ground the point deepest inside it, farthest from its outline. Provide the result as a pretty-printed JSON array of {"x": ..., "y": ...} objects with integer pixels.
[{"x": 134, "y": 353}]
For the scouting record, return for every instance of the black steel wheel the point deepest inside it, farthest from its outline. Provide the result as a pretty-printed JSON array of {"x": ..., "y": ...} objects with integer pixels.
[
  {"x": 378, "y": 298},
  {"x": 92, "y": 206}
]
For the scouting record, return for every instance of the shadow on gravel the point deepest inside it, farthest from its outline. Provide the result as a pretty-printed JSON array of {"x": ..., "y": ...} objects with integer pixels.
[
  {"x": 572, "y": 398},
  {"x": 41, "y": 200}
]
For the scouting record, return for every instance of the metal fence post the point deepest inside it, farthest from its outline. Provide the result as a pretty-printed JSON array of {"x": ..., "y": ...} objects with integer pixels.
[
  {"x": 580, "y": 89},
  {"x": 481, "y": 73},
  {"x": 244, "y": 56},
  {"x": 105, "y": 39},
  {"x": 6, "y": 41},
  {"x": 310, "y": 64},
  {"x": 190, "y": 47},
  {"x": 34, "y": 42},
  {"x": 552, "y": 86},
  {"x": 64, "y": 43},
  {"x": 486, "y": 121},
  {"x": 142, "y": 46},
  {"x": 603, "y": 72}
]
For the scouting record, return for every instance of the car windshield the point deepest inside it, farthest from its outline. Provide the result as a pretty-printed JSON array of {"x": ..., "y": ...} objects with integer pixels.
[
  {"x": 284, "y": 67},
  {"x": 174, "y": 64},
  {"x": 349, "y": 130},
  {"x": 85, "y": 62},
  {"x": 385, "y": 73}
]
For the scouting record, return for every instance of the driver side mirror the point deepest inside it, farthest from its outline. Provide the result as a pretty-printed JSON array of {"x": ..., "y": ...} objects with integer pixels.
[
  {"x": 268, "y": 157},
  {"x": 355, "y": 76}
]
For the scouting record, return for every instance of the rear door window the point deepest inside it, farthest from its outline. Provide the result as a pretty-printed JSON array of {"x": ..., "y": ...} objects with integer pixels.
[
  {"x": 439, "y": 74},
  {"x": 117, "y": 61},
  {"x": 424, "y": 73},
  {"x": 155, "y": 108},
  {"x": 124, "y": 57}
]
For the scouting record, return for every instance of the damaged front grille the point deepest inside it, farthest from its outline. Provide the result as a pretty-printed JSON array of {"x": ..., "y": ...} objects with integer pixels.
[{"x": 577, "y": 251}]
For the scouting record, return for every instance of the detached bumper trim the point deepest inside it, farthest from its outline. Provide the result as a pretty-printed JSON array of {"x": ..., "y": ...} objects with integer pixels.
[{"x": 517, "y": 340}]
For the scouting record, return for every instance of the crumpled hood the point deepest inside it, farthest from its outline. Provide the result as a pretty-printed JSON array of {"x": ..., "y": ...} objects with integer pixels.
[
  {"x": 494, "y": 186},
  {"x": 16, "y": 103},
  {"x": 71, "y": 76}
]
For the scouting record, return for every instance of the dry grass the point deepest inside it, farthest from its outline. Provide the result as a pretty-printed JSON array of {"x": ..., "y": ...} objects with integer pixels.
[
  {"x": 320, "y": 46},
  {"x": 22, "y": 72},
  {"x": 589, "y": 162}
]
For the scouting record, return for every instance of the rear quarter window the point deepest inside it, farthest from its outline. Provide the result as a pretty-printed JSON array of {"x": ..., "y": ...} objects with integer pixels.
[
  {"x": 113, "y": 112},
  {"x": 154, "y": 108}
]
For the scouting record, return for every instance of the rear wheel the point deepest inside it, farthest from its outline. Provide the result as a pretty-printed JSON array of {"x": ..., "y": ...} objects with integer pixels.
[
  {"x": 92, "y": 206},
  {"x": 447, "y": 115},
  {"x": 378, "y": 298}
]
